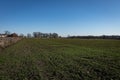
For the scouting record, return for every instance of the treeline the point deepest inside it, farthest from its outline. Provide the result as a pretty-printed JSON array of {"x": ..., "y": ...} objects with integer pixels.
[
  {"x": 44, "y": 35},
  {"x": 29, "y": 35},
  {"x": 40, "y": 35},
  {"x": 96, "y": 37},
  {"x": 55, "y": 35}
]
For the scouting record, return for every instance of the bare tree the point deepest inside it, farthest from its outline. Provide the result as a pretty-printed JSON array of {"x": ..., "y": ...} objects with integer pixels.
[
  {"x": 29, "y": 35},
  {"x": 44, "y": 35},
  {"x": 7, "y": 32},
  {"x": 55, "y": 35},
  {"x": 21, "y": 35}
]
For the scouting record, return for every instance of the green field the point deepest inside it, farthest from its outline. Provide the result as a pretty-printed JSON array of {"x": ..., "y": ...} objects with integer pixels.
[{"x": 61, "y": 59}]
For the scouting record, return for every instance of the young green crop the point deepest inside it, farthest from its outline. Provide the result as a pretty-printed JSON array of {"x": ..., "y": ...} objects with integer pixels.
[{"x": 61, "y": 59}]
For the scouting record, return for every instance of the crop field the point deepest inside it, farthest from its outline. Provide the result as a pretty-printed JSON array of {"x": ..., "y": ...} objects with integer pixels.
[{"x": 61, "y": 59}]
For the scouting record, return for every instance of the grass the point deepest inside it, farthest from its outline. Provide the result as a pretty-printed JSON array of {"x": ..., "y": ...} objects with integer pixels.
[{"x": 61, "y": 59}]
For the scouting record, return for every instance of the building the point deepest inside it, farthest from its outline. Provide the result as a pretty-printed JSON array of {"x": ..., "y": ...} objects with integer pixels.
[
  {"x": 13, "y": 35},
  {"x": 3, "y": 35}
]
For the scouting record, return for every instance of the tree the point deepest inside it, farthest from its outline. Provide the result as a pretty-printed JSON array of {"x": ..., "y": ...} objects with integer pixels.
[
  {"x": 44, "y": 35},
  {"x": 21, "y": 35},
  {"x": 37, "y": 34},
  {"x": 29, "y": 35},
  {"x": 55, "y": 35},
  {"x": 34, "y": 34},
  {"x": 7, "y": 32},
  {"x": 50, "y": 35}
]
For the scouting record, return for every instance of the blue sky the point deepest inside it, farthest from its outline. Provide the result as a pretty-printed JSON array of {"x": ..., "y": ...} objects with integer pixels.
[{"x": 65, "y": 17}]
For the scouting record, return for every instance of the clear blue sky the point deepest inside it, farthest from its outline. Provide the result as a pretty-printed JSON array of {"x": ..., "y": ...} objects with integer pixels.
[{"x": 73, "y": 17}]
